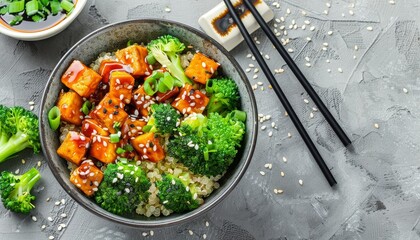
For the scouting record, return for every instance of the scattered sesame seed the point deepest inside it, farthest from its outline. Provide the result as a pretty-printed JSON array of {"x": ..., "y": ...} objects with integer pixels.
[
  {"x": 43, "y": 227},
  {"x": 311, "y": 115},
  {"x": 251, "y": 65},
  {"x": 270, "y": 134},
  {"x": 288, "y": 11},
  {"x": 307, "y": 59},
  {"x": 351, "y": 12},
  {"x": 356, "y": 47},
  {"x": 312, "y": 28},
  {"x": 190, "y": 232},
  {"x": 262, "y": 173},
  {"x": 204, "y": 236},
  {"x": 260, "y": 83},
  {"x": 329, "y": 70},
  {"x": 405, "y": 90},
  {"x": 34, "y": 219},
  {"x": 50, "y": 219},
  {"x": 167, "y": 9},
  {"x": 330, "y": 33},
  {"x": 308, "y": 39},
  {"x": 207, "y": 224},
  {"x": 282, "y": 174},
  {"x": 249, "y": 55},
  {"x": 284, "y": 159},
  {"x": 63, "y": 215},
  {"x": 248, "y": 70},
  {"x": 328, "y": 4},
  {"x": 152, "y": 233},
  {"x": 23, "y": 161},
  {"x": 354, "y": 57},
  {"x": 328, "y": 61},
  {"x": 279, "y": 191},
  {"x": 306, "y": 101},
  {"x": 289, "y": 135},
  {"x": 17, "y": 171},
  {"x": 256, "y": 70},
  {"x": 376, "y": 125},
  {"x": 31, "y": 108},
  {"x": 267, "y": 57},
  {"x": 39, "y": 163},
  {"x": 308, "y": 64},
  {"x": 303, "y": 13},
  {"x": 340, "y": 70},
  {"x": 255, "y": 76},
  {"x": 300, "y": 182},
  {"x": 51, "y": 237},
  {"x": 392, "y": 2},
  {"x": 369, "y": 28},
  {"x": 57, "y": 203},
  {"x": 144, "y": 234},
  {"x": 290, "y": 50}
]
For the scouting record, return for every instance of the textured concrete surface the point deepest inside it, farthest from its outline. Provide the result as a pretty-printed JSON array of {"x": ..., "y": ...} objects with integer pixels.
[{"x": 378, "y": 191}]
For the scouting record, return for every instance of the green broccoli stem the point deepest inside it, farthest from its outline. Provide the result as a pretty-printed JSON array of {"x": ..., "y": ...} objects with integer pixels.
[
  {"x": 27, "y": 181},
  {"x": 15, "y": 144},
  {"x": 214, "y": 105},
  {"x": 176, "y": 69}
]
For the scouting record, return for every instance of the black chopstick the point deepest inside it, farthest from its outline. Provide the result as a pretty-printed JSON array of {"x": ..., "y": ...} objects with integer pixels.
[
  {"x": 299, "y": 75},
  {"x": 281, "y": 95}
]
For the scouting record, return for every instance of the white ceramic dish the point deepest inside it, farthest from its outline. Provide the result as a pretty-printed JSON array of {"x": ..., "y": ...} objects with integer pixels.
[{"x": 47, "y": 33}]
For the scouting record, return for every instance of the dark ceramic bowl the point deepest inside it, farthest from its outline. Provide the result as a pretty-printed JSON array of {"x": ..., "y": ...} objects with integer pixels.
[{"x": 113, "y": 37}]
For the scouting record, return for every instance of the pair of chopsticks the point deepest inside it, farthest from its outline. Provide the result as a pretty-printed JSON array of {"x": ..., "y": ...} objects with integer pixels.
[{"x": 279, "y": 92}]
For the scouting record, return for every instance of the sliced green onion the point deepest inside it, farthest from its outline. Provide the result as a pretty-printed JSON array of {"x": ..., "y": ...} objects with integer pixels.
[
  {"x": 87, "y": 106},
  {"x": 32, "y": 7},
  {"x": 16, "y": 20},
  {"x": 129, "y": 43},
  {"x": 123, "y": 160},
  {"x": 114, "y": 138},
  {"x": 44, "y": 2},
  {"x": 16, "y": 7},
  {"x": 4, "y": 10},
  {"x": 161, "y": 87},
  {"x": 67, "y": 6},
  {"x": 116, "y": 126},
  {"x": 206, "y": 154},
  {"x": 54, "y": 118},
  {"x": 55, "y": 7},
  {"x": 168, "y": 80},
  {"x": 37, "y": 18},
  {"x": 178, "y": 83},
  {"x": 120, "y": 151},
  {"x": 239, "y": 115},
  {"x": 156, "y": 75},
  {"x": 150, "y": 59},
  {"x": 147, "y": 128},
  {"x": 128, "y": 148},
  {"x": 150, "y": 86}
]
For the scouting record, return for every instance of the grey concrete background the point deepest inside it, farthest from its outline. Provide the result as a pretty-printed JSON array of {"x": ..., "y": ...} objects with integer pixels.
[{"x": 378, "y": 191}]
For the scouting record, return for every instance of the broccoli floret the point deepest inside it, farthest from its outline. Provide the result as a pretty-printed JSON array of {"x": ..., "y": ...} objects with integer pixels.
[
  {"x": 224, "y": 95},
  {"x": 19, "y": 130},
  {"x": 196, "y": 121},
  {"x": 15, "y": 190},
  {"x": 164, "y": 119},
  {"x": 211, "y": 149},
  {"x": 175, "y": 194},
  {"x": 166, "y": 50},
  {"x": 124, "y": 187}
]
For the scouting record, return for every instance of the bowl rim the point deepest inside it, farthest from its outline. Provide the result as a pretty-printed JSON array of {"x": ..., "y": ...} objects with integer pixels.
[
  {"x": 46, "y": 33},
  {"x": 188, "y": 216}
]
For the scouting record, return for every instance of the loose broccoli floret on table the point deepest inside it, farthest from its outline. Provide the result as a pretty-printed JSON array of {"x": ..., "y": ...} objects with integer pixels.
[
  {"x": 166, "y": 50},
  {"x": 175, "y": 194},
  {"x": 15, "y": 190},
  {"x": 164, "y": 119},
  {"x": 124, "y": 186},
  {"x": 18, "y": 130},
  {"x": 224, "y": 95}
]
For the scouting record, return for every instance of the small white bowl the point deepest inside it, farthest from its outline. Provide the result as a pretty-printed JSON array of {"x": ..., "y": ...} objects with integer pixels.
[{"x": 49, "y": 32}]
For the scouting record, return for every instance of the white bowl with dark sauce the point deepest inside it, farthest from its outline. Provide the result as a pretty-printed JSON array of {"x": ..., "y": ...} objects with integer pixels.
[{"x": 34, "y": 31}]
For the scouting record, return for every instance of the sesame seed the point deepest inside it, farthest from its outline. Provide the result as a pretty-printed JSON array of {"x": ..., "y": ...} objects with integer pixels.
[
  {"x": 289, "y": 135},
  {"x": 369, "y": 28},
  {"x": 167, "y": 9},
  {"x": 392, "y": 2},
  {"x": 31, "y": 103},
  {"x": 311, "y": 115},
  {"x": 63, "y": 215},
  {"x": 284, "y": 159},
  {"x": 39, "y": 164},
  {"x": 303, "y": 27},
  {"x": 351, "y": 12},
  {"x": 376, "y": 125},
  {"x": 190, "y": 232},
  {"x": 329, "y": 70},
  {"x": 308, "y": 39},
  {"x": 248, "y": 70},
  {"x": 34, "y": 218},
  {"x": 270, "y": 134},
  {"x": 57, "y": 203},
  {"x": 303, "y": 13},
  {"x": 255, "y": 76},
  {"x": 307, "y": 59},
  {"x": 405, "y": 90},
  {"x": 50, "y": 219},
  {"x": 340, "y": 70},
  {"x": 275, "y": 191},
  {"x": 326, "y": 12},
  {"x": 262, "y": 173},
  {"x": 43, "y": 227},
  {"x": 31, "y": 108},
  {"x": 203, "y": 64},
  {"x": 279, "y": 191},
  {"x": 308, "y": 64},
  {"x": 204, "y": 236},
  {"x": 152, "y": 233},
  {"x": 256, "y": 70},
  {"x": 288, "y": 11},
  {"x": 312, "y": 28},
  {"x": 260, "y": 83},
  {"x": 282, "y": 174},
  {"x": 325, "y": 44},
  {"x": 290, "y": 50},
  {"x": 207, "y": 224},
  {"x": 251, "y": 65},
  {"x": 330, "y": 32},
  {"x": 51, "y": 237},
  {"x": 144, "y": 234},
  {"x": 306, "y": 101},
  {"x": 307, "y": 22},
  {"x": 249, "y": 55},
  {"x": 300, "y": 182}
]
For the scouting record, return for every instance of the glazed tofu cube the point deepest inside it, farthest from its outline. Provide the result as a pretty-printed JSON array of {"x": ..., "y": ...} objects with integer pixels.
[
  {"x": 81, "y": 79},
  {"x": 103, "y": 150},
  {"x": 148, "y": 147},
  {"x": 91, "y": 127},
  {"x": 74, "y": 147},
  {"x": 190, "y": 101},
  {"x": 121, "y": 86},
  {"x": 109, "y": 112},
  {"x": 107, "y": 66},
  {"x": 87, "y": 177},
  {"x": 163, "y": 97},
  {"x": 135, "y": 57},
  {"x": 132, "y": 128},
  {"x": 142, "y": 101},
  {"x": 70, "y": 104},
  {"x": 201, "y": 68}
]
